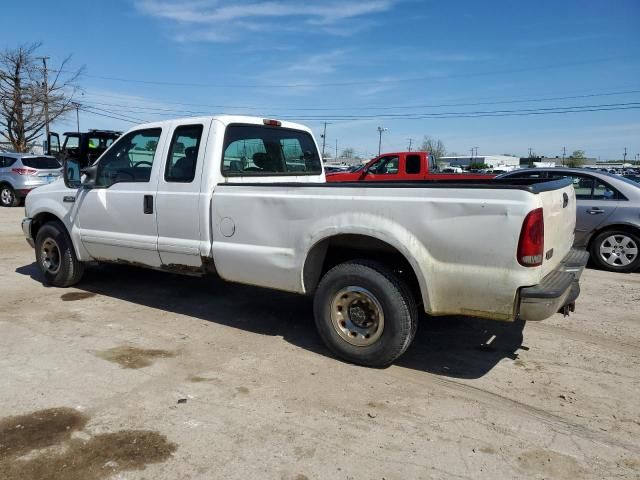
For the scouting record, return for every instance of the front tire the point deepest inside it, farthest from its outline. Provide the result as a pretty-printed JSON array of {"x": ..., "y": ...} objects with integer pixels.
[
  {"x": 616, "y": 251},
  {"x": 8, "y": 197},
  {"x": 56, "y": 257},
  {"x": 365, "y": 313}
]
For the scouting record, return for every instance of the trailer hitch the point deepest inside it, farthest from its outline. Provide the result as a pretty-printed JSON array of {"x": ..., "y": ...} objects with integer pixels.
[{"x": 567, "y": 309}]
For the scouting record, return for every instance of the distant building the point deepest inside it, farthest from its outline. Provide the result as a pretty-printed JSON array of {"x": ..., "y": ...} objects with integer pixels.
[
  {"x": 493, "y": 161},
  {"x": 543, "y": 161}
]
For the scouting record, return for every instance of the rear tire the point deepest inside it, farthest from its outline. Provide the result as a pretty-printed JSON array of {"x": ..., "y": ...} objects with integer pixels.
[
  {"x": 365, "y": 313},
  {"x": 56, "y": 257},
  {"x": 616, "y": 250},
  {"x": 8, "y": 197}
]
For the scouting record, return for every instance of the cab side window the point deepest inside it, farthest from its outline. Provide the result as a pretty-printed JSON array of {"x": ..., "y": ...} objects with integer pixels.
[
  {"x": 413, "y": 164},
  {"x": 72, "y": 142},
  {"x": 385, "y": 166},
  {"x": 130, "y": 159},
  {"x": 183, "y": 154}
]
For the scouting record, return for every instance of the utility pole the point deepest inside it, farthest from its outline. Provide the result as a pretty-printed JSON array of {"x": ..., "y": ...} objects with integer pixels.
[
  {"x": 564, "y": 154},
  {"x": 324, "y": 138},
  {"x": 336, "y": 148},
  {"x": 530, "y": 152},
  {"x": 476, "y": 148},
  {"x": 380, "y": 130},
  {"x": 410, "y": 143},
  {"x": 46, "y": 96},
  {"x": 625, "y": 155},
  {"x": 77, "y": 107}
]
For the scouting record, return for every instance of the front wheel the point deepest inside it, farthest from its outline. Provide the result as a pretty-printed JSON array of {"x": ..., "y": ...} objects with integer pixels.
[
  {"x": 8, "y": 197},
  {"x": 55, "y": 256},
  {"x": 616, "y": 251},
  {"x": 365, "y": 313}
]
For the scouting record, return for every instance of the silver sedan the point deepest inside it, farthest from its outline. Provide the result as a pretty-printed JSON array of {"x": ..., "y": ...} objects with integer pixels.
[{"x": 608, "y": 214}]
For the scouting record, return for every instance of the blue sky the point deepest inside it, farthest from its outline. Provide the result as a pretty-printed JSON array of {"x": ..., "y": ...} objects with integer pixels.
[{"x": 359, "y": 64}]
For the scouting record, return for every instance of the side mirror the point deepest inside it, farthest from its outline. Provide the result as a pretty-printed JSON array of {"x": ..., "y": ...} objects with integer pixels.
[{"x": 72, "y": 174}]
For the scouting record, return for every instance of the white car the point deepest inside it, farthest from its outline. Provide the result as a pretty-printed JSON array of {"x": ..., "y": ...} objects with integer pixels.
[{"x": 246, "y": 198}]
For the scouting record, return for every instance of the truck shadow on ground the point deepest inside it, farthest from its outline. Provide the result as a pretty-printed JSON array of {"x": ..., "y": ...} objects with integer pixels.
[{"x": 458, "y": 347}]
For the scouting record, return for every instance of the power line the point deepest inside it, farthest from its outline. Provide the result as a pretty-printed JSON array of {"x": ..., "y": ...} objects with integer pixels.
[
  {"x": 369, "y": 107},
  {"x": 84, "y": 109},
  {"x": 355, "y": 82},
  {"x": 422, "y": 115}
]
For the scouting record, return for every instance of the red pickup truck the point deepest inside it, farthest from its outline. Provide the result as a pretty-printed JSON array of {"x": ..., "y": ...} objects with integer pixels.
[{"x": 401, "y": 166}]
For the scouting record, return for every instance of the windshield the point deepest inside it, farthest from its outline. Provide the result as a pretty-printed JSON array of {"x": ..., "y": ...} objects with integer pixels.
[{"x": 40, "y": 163}]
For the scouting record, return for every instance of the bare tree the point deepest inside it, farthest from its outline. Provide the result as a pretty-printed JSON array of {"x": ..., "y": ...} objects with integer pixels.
[
  {"x": 348, "y": 153},
  {"x": 435, "y": 146},
  {"x": 24, "y": 94}
]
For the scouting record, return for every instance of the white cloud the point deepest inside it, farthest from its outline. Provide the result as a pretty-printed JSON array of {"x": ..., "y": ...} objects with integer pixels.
[
  {"x": 320, "y": 63},
  {"x": 223, "y": 20}
]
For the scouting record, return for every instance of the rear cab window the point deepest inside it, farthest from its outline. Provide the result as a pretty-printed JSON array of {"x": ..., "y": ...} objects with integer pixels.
[{"x": 256, "y": 150}]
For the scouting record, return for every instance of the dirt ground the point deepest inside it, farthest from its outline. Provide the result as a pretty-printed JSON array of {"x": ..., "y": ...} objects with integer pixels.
[{"x": 137, "y": 374}]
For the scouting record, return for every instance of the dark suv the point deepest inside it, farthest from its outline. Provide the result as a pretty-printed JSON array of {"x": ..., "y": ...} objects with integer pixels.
[{"x": 85, "y": 147}]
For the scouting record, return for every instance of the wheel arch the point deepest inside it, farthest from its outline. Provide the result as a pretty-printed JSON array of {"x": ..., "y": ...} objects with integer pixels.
[
  {"x": 333, "y": 249},
  {"x": 40, "y": 219},
  {"x": 625, "y": 227}
]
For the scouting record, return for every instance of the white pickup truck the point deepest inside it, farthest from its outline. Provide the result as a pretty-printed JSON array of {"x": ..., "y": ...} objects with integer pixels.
[{"x": 245, "y": 198}]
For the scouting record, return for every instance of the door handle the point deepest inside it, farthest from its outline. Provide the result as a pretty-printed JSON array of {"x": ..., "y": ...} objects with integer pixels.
[
  {"x": 147, "y": 204},
  {"x": 595, "y": 211}
]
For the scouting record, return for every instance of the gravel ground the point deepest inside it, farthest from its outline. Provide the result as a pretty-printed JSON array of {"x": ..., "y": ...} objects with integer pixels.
[{"x": 138, "y": 374}]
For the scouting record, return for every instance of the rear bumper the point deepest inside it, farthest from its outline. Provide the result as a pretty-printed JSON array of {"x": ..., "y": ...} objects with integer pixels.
[
  {"x": 26, "y": 229},
  {"x": 557, "y": 291}
]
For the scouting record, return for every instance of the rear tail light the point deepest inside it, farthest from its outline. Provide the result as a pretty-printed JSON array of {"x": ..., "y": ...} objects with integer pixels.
[
  {"x": 531, "y": 243},
  {"x": 25, "y": 171},
  {"x": 273, "y": 123}
]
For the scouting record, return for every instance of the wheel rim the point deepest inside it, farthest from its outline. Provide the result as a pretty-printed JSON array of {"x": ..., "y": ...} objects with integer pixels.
[
  {"x": 50, "y": 256},
  {"x": 6, "y": 196},
  {"x": 618, "y": 250},
  {"x": 357, "y": 316}
]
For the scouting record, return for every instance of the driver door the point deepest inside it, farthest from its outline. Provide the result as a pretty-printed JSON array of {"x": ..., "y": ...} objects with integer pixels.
[{"x": 117, "y": 218}]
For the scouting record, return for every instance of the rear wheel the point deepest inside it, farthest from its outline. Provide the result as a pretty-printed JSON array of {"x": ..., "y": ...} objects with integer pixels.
[
  {"x": 8, "y": 196},
  {"x": 616, "y": 251},
  {"x": 365, "y": 313},
  {"x": 55, "y": 256}
]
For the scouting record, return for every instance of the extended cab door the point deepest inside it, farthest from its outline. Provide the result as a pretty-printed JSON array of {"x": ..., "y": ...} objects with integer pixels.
[
  {"x": 117, "y": 218},
  {"x": 179, "y": 200}
]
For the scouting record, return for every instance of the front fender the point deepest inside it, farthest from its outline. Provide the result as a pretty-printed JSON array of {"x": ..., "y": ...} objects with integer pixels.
[{"x": 49, "y": 201}]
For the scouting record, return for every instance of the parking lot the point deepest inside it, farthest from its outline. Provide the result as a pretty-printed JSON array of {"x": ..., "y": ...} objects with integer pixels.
[{"x": 204, "y": 379}]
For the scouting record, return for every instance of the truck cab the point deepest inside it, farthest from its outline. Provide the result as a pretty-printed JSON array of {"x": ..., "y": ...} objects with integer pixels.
[
  {"x": 85, "y": 147},
  {"x": 402, "y": 167}
]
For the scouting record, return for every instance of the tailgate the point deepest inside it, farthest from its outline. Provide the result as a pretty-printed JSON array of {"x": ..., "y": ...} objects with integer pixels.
[{"x": 559, "y": 207}]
